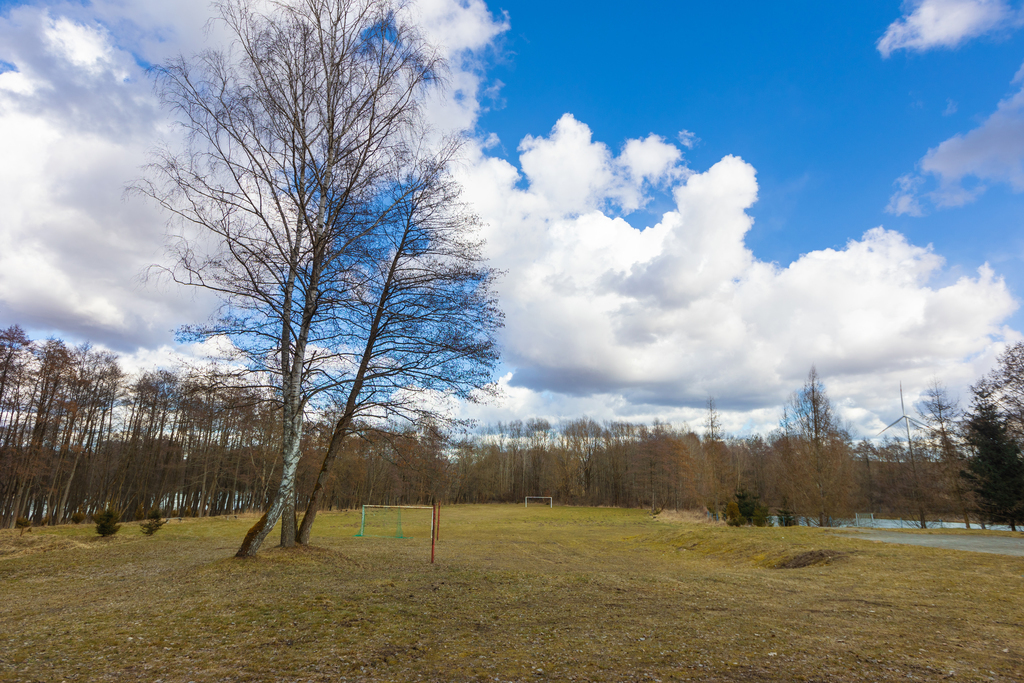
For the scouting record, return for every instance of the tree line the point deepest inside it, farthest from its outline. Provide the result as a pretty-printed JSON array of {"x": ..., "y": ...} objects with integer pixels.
[{"x": 78, "y": 434}]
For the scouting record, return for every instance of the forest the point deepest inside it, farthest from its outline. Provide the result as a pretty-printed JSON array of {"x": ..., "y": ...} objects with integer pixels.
[{"x": 79, "y": 434}]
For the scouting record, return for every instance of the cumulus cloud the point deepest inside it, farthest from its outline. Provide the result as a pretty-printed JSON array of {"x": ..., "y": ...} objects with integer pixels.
[
  {"x": 994, "y": 151},
  {"x": 463, "y": 32},
  {"x": 78, "y": 118},
  {"x": 963, "y": 165},
  {"x": 570, "y": 173},
  {"x": 928, "y": 24},
  {"x": 620, "y": 321}
]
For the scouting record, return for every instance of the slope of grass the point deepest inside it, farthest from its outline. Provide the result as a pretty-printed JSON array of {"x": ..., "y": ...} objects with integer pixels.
[{"x": 568, "y": 594}]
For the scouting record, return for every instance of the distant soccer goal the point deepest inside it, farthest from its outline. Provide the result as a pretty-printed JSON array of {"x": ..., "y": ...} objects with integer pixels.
[
  {"x": 539, "y": 498},
  {"x": 864, "y": 519}
]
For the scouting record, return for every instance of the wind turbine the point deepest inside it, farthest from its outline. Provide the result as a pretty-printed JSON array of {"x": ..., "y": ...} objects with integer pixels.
[
  {"x": 905, "y": 417},
  {"x": 910, "y": 447}
]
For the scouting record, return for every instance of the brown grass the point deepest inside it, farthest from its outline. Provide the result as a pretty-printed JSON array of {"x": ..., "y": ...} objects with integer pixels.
[
  {"x": 566, "y": 594},
  {"x": 689, "y": 516}
]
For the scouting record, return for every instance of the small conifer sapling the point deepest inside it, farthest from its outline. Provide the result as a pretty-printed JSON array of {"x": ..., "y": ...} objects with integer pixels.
[
  {"x": 153, "y": 522},
  {"x": 107, "y": 522}
]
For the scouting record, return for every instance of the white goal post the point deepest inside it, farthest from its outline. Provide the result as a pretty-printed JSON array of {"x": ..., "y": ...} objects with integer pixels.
[
  {"x": 550, "y": 501},
  {"x": 864, "y": 519}
]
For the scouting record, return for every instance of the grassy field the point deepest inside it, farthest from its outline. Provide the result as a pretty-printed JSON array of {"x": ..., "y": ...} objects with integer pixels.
[{"x": 566, "y": 594}]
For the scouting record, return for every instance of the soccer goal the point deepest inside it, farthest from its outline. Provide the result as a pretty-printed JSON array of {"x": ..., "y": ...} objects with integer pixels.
[
  {"x": 864, "y": 519},
  {"x": 386, "y": 521},
  {"x": 541, "y": 499}
]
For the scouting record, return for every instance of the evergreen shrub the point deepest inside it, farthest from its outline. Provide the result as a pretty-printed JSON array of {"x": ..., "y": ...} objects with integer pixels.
[
  {"x": 733, "y": 516},
  {"x": 151, "y": 526},
  {"x": 107, "y": 522}
]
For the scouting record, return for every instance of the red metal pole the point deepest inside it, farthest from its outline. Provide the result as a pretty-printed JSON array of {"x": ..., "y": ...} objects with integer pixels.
[
  {"x": 437, "y": 534},
  {"x": 433, "y": 532}
]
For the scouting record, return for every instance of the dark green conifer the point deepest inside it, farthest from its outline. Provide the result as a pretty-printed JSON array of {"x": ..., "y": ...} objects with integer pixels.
[
  {"x": 996, "y": 470},
  {"x": 153, "y": 523},
  {"x": 746, "y": 502},
  {"x": 107, "y": 522},
  {"x": 785, "y": 514}
]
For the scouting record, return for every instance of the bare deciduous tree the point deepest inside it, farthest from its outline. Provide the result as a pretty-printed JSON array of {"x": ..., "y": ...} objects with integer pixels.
[
  {"x": 420, "y": 320},
  {"x": 297, "y": 137},
  {"x": 1005, "y": 384},
  {"x": 818, "y": 454},
  {"x": 941, "y": 415}
]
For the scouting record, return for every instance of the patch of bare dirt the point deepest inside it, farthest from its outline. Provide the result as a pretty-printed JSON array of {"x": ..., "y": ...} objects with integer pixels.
[{"x": 812, "y": 558}]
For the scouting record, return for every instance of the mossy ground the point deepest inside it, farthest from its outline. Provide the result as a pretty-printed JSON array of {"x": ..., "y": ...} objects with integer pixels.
[{"x": 567, "y": 594}]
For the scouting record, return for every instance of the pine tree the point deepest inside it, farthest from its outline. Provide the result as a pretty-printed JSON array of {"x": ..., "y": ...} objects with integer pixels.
[
  {"x": 153, "y": 522},
  {"x": 107, "y": 522},
  {"x": 746, "y": 502},
  {"x": 785, "y": 514},
  {"x": 751, "y": 508},
  {"x": 996, "y": 471}
]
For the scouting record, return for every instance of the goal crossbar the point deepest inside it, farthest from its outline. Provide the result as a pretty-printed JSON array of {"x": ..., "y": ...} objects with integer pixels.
[{"x": 549, "y": 499}]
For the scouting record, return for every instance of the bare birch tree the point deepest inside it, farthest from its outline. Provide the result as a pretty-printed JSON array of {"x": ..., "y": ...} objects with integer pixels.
[
  {"x": 420, "y": 320},
  {"x": 294, "y": 134}
]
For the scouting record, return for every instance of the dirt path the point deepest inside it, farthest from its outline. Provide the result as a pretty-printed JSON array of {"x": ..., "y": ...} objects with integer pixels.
[{"x": 1000, "y": 545}]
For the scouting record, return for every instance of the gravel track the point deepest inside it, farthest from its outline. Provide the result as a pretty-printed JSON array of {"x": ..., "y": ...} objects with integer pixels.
[{"x": 1000, "y": 545}]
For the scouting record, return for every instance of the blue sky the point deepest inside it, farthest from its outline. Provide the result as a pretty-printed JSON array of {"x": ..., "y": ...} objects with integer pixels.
[
  {"x": 798, "y": 89},
  {"x": 688, "y": 199}
]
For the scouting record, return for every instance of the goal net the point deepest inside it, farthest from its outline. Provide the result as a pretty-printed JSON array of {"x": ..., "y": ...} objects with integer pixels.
[
  {"x": 397, "y": 521},
  {"x": 540, "y": 500}
]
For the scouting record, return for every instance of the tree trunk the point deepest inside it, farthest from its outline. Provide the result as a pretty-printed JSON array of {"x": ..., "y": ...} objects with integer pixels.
[{"x": 283, "y": 506}]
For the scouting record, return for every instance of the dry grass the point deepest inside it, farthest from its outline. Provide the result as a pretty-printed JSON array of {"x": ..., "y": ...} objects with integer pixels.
[
  {"x": 517, "y": 594},
  {"x": 689, "y": 516}
]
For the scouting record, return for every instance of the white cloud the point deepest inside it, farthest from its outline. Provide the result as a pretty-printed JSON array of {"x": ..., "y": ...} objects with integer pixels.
[
  {"x": 928, "y": 24},
  {"x": 16, "y": 83},
  {"x": 570, "y": 173},
  {"x": 994, "y": 151},
  {"x": 619, "y": 322},
  {"x": 463, "y": 30},
  {"x": 687, "y": 139},
  {"x": 85, "y": 47},
  {"x": 963, "y": 165},
  {"x": 78, "y": 117},
  {"x": 905, "y": 202}
]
